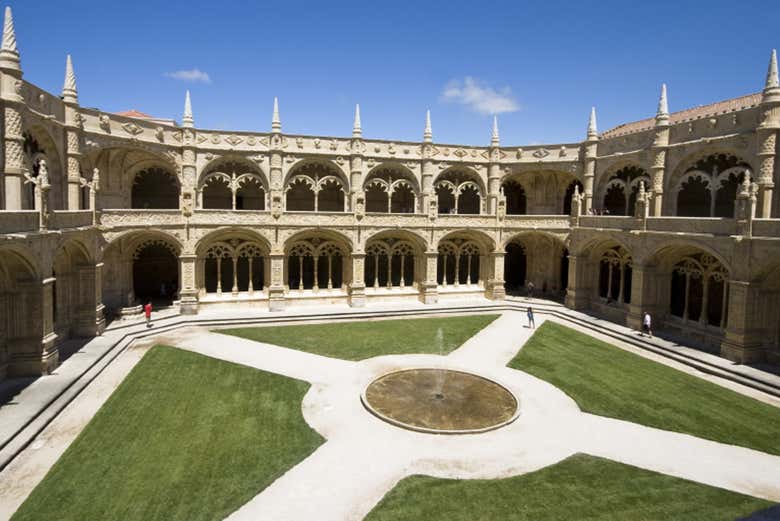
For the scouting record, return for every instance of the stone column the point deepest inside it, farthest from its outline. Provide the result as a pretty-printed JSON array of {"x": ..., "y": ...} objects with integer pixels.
[
  {"x": 767, "y": 149},
  {"x": 189, "y": 173},
  {"x": 357, "y": 288},
  {"x": 355, "y": 173},
  {"x": 494, "y": 181},
  {"x": 658, "y": 153},
  {"x": 427, "y": 178},
  {"x": 644, "y": 295},
  {"x": 13, "y": 175},
  {"x": 276, "y": 179},
  {"x": 89, "y": 321},
  {"x": 743, "y": 342},
  {"x": 494, "y": 289},
  {"x": 276, "y": 299},
  {"x": 73, "y": 154},
  {"x": 430, "y": 293},
  {"x": 589, "y": 171},
  {"x": 188, "y": 294},
  {"x": 579, "y": 288}
]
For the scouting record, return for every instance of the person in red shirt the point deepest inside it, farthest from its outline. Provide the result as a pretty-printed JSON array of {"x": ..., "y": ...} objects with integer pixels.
[{"x": 148, "y": 313}]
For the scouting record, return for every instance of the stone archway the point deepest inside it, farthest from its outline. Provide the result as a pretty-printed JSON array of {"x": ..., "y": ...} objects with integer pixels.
[{"x": 156, "y": 272}]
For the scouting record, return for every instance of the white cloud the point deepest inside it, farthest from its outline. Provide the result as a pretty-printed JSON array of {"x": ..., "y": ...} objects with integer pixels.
[
  {"x": 479, "y": 96},
  {"x": 191, "y": 75}
]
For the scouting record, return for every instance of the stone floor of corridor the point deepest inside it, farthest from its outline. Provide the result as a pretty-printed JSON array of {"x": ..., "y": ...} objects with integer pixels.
[{"x": 363, "y": 457}]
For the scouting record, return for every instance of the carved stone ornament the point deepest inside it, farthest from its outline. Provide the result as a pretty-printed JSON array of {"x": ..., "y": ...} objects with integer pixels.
[
  {"x": 251, "y": 141},
  {"x": 317, "y": 143},
  {"x": 460, "y": 153},
  {"x": 334, "y": 144},
  {"x": 541, "y": 153},
  {"x": 105, "y": 123},
  {"x": 215, "y": 139},
  {"x": 299, "y": 142},
  {"x": 233, "y": 140},
  {"x": 159, "y": 134},
  {"x": 132, "y": 128}
]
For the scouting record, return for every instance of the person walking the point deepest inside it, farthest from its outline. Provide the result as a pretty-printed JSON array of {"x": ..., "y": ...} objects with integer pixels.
[
  {"x": 148, "y": 313},
  {"x": 531, "y": 323},
  {"x": 647, "y": 324}
]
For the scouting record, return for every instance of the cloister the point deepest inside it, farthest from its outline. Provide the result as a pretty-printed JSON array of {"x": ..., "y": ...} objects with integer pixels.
[{"x": 674, "y": 215}]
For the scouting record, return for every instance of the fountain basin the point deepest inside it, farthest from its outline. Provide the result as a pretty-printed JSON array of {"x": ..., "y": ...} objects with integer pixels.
[{"x": 441, "y": 401}]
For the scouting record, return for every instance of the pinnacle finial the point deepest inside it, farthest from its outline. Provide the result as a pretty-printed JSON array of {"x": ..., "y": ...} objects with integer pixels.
[
  {"x": 662, "y": 114},
  {"x": 276, "y": 123},
  {"x": 428, "y": 132},
  {"x": 9, "y": 54},
  {"x": 494, "y": 140},
  {"x": 357, "y": 131},
  {"x": 69, "y": 91},
  {"x": 771, "y": 74},
  {"x": 187, "y": 120},
  {"x": 592, "y": 130},
  {"x": 663, "y": 102}
]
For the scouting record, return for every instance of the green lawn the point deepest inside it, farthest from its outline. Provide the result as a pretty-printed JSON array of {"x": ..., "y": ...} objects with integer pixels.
[
  {"x": 184, "y": 437},
  {"x": 608, "y": 381},
  {"x": 579, "y": 488},
  {"x": 369, "y": 338}
]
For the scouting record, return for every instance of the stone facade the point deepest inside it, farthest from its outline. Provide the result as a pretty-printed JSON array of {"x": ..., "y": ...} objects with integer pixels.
[{"x": 675, "y": 215}]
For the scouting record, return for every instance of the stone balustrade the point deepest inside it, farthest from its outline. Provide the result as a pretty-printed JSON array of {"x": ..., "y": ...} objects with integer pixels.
[
  {"x": 60, "y": 220},
  {"x": 18, "y": 221}
]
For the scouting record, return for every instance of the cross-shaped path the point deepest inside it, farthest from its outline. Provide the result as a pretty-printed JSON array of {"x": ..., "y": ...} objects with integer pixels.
[{"x": 364, "y": 457}]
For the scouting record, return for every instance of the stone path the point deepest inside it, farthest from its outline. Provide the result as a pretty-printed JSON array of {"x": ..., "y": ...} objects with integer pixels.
[{"x": 364, "y": 457}]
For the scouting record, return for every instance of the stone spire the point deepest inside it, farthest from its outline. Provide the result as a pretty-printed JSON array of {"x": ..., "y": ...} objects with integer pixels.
[
  {"x": 186, "y": 119},
  {"x": 276, "y": 123},
  {"x": 9, "y": 54},
  {"x": 494, "y": 139},
  {"x": 593, "y": 133},
  {"x": 662, "y": 114},
  {"x": 771, "y": 73},
  {"x": 428, "y": 132},
  {"x": 772, "y": 86},
  {"x": 69, "y": 92},
  {"x": 357, "y": 131}
]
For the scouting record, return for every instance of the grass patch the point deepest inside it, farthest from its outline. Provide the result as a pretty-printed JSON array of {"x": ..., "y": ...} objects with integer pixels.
[
  {"x": 581, "y": 487},
  {"x": 184, "y": 437},
  {"x": 369, "y": 338},
  {"x": 606, "y": 380}
]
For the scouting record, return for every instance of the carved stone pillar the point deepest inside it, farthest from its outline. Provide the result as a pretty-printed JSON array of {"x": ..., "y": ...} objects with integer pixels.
[
  {"x": 89, "y": 321},
  {"x": 355, "y": 173},
  {"x": 658, "y": 166},
  {"x": 188, "y": 196},
  {"x": 429, "y": 289},
  {"x": 36, "y": 353},
  {"x": 743, "y": 342},
  {"x": 188, "y": 294},
  {"x": 494, "y": 289},
  {"x": 578, "y": 290},
  {"x": 276, "y": 299},
  {"x": 427, "y": 178},
  {"x": 13, "y": 141},
  {"x": 767, "y": 149},
  {"x": 73, "y": 152},
  {"x": 357, "y": 288},
  {"x": 644, "y": 295},
  {"x": 494, "y": 182},
  {"x": 277, "y": 192},
  {"x": 589, "y": 172}
]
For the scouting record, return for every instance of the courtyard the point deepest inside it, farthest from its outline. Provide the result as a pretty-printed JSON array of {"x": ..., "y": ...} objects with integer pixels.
[{"x": 240, "y": 422}]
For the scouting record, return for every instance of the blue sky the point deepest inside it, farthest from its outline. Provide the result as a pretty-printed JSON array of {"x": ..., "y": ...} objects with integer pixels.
[{"x": 540, "y": 64}]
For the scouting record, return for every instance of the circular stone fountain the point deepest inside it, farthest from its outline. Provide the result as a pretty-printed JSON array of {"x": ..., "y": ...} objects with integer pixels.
[{"x": 441, "y": 401}]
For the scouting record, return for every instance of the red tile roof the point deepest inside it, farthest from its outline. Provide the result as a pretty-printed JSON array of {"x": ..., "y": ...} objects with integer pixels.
[
  {"x": 132, "y": 113},
  {"x": 720, "y": 107}
]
